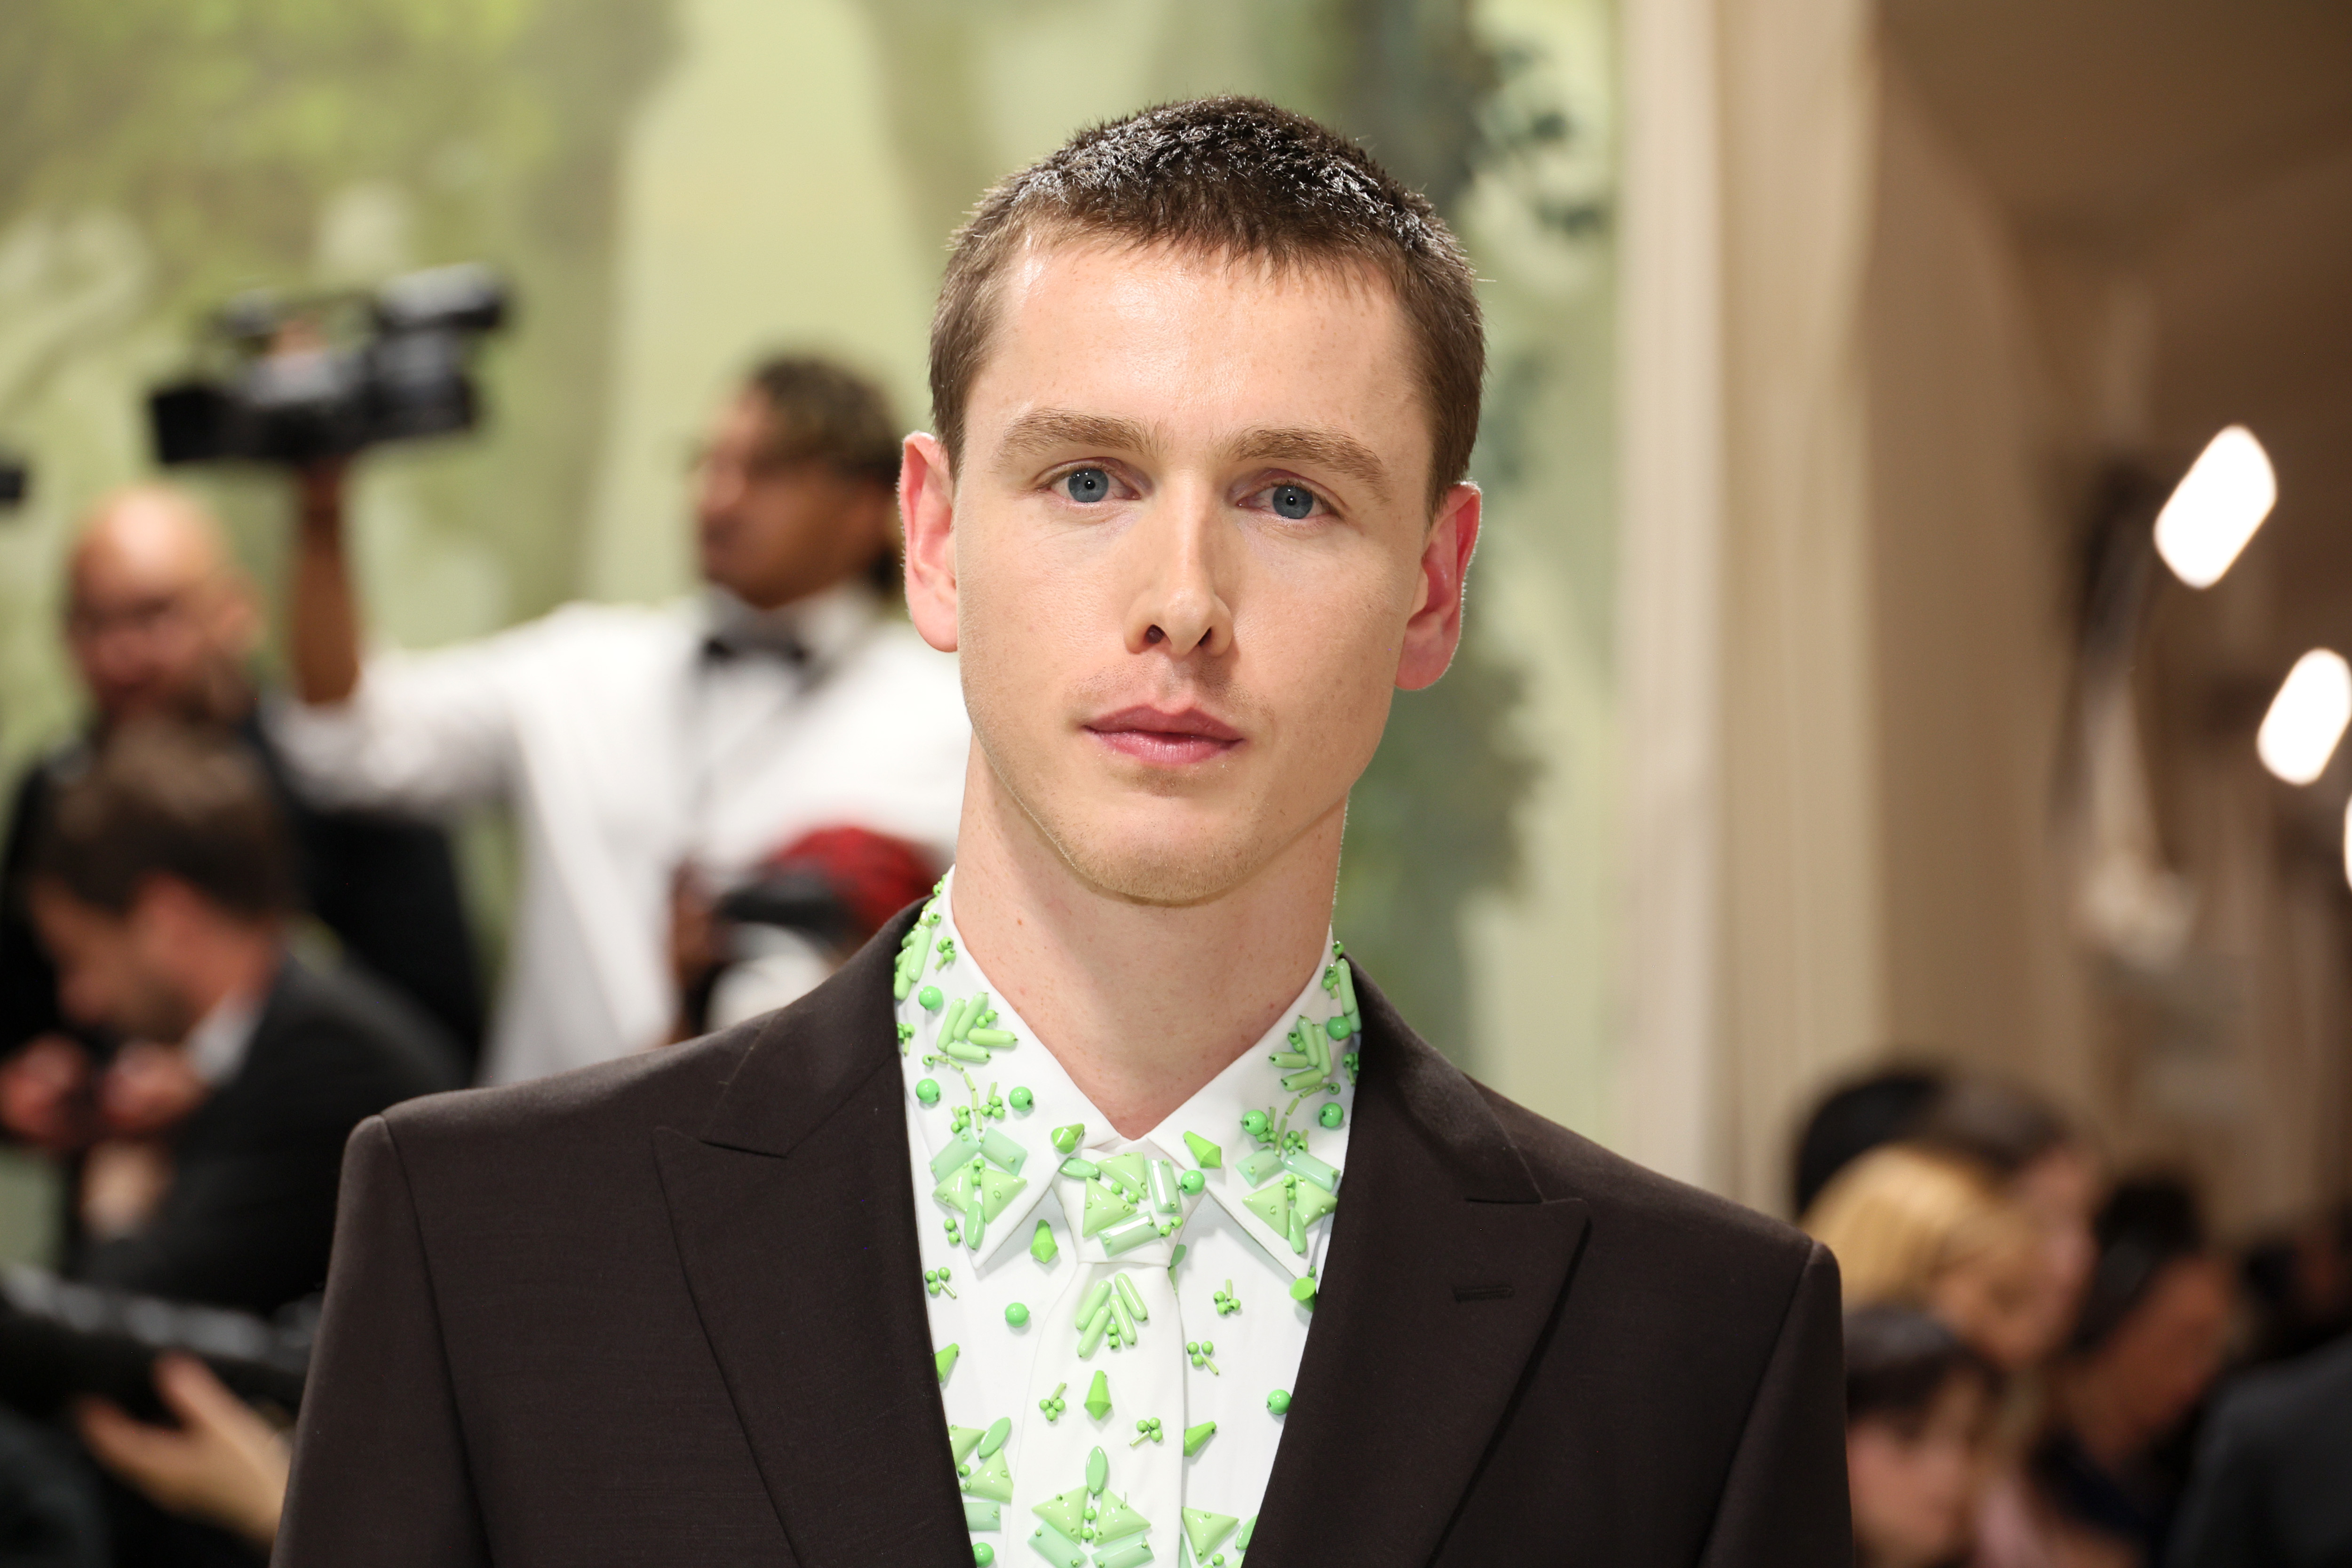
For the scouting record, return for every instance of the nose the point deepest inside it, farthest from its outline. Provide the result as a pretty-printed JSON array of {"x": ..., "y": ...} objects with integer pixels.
[{"x": 1181, "y": 570}]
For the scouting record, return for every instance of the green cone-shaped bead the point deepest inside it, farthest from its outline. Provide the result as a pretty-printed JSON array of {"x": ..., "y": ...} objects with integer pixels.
[
  {"x": 1042, "y": 1246},
  {"x": 945, "y": 1361},
  {"x": 1067, "y": 1139},
  {"x": 1207, "y": 1155},
  {"x": 1097, "y": 1396},
  {"x": 1196, "y": 1435}
]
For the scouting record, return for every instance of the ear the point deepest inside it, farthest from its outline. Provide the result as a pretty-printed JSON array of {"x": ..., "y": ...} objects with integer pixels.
[
  {"x": 1434, "y": 630},
  {"x": 927, "y": 512}
]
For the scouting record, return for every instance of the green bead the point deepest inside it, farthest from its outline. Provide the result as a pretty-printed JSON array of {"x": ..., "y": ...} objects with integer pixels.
[
  {"x": 1067, "y": 1139},
  {"x": 945, "y": 1361},
  {"x": 1192, "y": 1182},
  {"x": 930, "y": 997},
  {"x": 1331, "y": 1115},
  {"x": 1254, "y": 1123},
  {"x": 928, "y": 1091},
  {"x": 993, "y": 1439},
  {"x": 1016, "y": 1314},
  {"x": 1303, "y": 1291},
  {"x": 1022, "y": 1099},
  {"x": 982, "y": 1554},
  {"x": 1099, "y": 1396},
  {"x": 1336, "y": 1028},
  {"x": 1042, "y": 1246},
  {"x": 1194, "y": 1437},
  {"x": 1278, "y": 1401},
  {"x": 1097, "y": 1471},
  {"x": 1205, "y": 1154}
]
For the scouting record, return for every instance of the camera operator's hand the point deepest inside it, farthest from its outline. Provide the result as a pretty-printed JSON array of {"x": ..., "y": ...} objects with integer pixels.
[
  {"x": 148, "y": 1089},
  {"x": 324, "y": 636},
  {"x": 224, "y": 1464},
  {"x": 45, "y": 1094}
]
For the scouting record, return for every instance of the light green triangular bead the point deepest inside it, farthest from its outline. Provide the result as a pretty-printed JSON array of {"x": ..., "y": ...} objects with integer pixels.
[
  {"x": 1066, "y": 1513},
  {"x": 962, "y": 1440},
  {"x": 993, "y": 1478},
  {"x": 1314, "y": 1202},
  {"x": 1104, "y": 1207},
  {"x": 1205, "y": 1529},
  {"x": 1271, "y": 1203},
  {"x": 1114, "y": 1518},
  {"x": 997, "y": 1190}
]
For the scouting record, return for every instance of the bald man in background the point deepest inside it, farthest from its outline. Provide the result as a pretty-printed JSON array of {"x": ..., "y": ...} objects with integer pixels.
[{"x": 160, "y": 622}]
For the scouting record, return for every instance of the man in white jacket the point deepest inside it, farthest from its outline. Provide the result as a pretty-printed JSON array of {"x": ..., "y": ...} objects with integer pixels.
[{"x": 651, "y": 754}]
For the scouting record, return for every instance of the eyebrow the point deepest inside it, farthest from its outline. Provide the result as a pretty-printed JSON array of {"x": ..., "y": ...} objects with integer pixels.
[
  {"x": 1045, "y": 429},
  {"x": 1306, "y": 444}
]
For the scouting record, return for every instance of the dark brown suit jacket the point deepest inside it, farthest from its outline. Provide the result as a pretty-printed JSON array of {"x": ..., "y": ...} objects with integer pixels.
[{"x": 671, "y": 1311}]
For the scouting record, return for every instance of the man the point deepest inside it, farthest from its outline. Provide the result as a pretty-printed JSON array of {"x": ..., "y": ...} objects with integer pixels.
[
  {"x": 160, "y": 624},
  {"x": 163, "y": 886},
  {"x": 2272, "y": 1486},
  {"x": 657, "y": 756},
  {"x": 1099, "y": 1213}
]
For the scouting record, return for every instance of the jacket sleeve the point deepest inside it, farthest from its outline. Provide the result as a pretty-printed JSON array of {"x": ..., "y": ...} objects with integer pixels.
[
  {"x": 381, "y": 1477},
  {"x": 423, "y": 732},
  {"x": 1784, "y": 1500}
]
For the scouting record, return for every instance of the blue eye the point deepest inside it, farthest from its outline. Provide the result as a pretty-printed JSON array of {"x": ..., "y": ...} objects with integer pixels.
[
  {"x": 1088, "y": 485},
  {"x": 1291, "y": 500}
]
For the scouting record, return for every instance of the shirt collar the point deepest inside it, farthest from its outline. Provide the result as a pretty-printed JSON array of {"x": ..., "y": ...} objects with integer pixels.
[
  {"x": 216, "y": 1047},
  {"x": 990, "y": 1090}
]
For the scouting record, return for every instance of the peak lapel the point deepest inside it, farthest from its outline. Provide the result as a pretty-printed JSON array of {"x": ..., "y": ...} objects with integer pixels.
[
  {"x": 793, "y": 1211},
  {"x": 1446, "y": 1268}
]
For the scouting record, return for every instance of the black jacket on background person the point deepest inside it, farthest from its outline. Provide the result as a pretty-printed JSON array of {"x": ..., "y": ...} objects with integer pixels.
[
  {"x": 671, "y": 1309},
  {"x": 250, "y": 1212},
  {"x": 2272, "y": 1486},
  {"x": 386, "y": 886}
]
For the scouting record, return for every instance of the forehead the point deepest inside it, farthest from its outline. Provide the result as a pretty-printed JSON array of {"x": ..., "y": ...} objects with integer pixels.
[
  {"x": 146, "y": 545},
  {"x": 1196, "y": 344}
]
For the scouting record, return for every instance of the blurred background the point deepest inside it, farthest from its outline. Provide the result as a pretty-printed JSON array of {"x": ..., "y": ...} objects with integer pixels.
[{"x": 1826, "y": 703}]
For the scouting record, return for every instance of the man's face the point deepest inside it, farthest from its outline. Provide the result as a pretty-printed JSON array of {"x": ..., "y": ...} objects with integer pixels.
[
  {"x": 1187, "y": 556},
  {"x": 156, "y": 621},
  {"x": 772, "y": 529},
  {"x": 113, "y": 969}
]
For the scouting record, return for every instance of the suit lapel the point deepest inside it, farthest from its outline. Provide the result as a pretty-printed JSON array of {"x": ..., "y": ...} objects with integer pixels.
[
  {"x": 1446, "y": 1267},
  {"x": 793, "y": 1210}
]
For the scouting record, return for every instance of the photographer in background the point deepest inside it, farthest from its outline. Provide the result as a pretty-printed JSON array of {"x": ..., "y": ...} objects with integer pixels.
[
  {"x": 655, "y": 756},
  {"x": 162, "y": 887},
  {"x": 159, "y": 622}
]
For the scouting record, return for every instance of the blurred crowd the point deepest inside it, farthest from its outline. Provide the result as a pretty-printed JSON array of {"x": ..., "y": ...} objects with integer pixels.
[
  {"x": 233, "y": 927},
  {"x": 2051, "y": 1366}
]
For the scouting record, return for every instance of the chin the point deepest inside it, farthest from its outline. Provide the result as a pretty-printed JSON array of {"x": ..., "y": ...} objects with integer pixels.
[{"x": 1159, "y": 866}]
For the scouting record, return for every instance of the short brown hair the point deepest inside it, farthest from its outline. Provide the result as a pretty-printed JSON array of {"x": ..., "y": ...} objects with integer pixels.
[
  {"x": 828, "y": 412},
  {"x": 1240, "y": 177},
  {"x": 163, "y": 798}
]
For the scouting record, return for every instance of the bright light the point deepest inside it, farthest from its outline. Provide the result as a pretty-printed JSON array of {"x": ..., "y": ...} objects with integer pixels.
[
  {"x": 2216, "y": 508},
  {"x": 2307, "y": 717}
]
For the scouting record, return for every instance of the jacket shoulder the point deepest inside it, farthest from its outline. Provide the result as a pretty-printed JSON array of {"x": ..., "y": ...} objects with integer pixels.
[
  {"x": 611, "y": 1103},
  {"x": 1670, "y": 1220}
]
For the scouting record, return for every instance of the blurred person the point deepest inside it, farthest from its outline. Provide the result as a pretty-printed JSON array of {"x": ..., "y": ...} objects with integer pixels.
[
  {"x": 2300, "y": 1284},
  {"x": 1856, "y": 1117},
  {"x": 1206, "y": 382},
  {"x": 2272, "y": 1482},
  {"x": 162, "y": 885},
  {"x": 222, "y": 1463},
  {"x": 802, "y": 911},
  {"x": 1918, "y": 1409},
  {"x": 160, "y": 623},
  {"x": 655, "y": 754},
  {"x": 2104, "y": 1479},
  {"x": 2043, "y": 1166},
  {"x": 1916, "y": 1228}
]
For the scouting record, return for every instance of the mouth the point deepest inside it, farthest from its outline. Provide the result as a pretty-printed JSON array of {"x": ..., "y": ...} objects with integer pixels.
[{"x": 1177, "y": 740}]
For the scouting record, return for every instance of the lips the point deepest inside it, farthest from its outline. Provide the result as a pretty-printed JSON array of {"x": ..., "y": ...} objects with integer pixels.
[{"x": 1181, "y": 738}]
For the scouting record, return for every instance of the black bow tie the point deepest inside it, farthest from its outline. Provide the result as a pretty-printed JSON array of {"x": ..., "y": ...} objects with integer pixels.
[{"x": 717, "y": 649}]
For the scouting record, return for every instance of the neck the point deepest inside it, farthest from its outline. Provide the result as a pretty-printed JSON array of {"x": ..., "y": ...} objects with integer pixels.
[
  {"x": 229, "y": 959},
  {"x": 1142, "y": 1003}
]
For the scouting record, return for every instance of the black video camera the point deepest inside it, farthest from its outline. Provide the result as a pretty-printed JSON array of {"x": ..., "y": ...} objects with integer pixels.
[{"x": 323, "y": 375}]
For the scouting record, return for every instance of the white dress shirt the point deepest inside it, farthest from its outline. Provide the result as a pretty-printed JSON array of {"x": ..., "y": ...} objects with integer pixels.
[
  {"x": 1027, "y": 1310},
  {"x": 630, "y": 742}
]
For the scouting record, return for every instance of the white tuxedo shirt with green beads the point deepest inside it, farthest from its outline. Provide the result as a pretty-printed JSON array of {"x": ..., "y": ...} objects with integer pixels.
[{"x": 1118, "y": 1322}]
